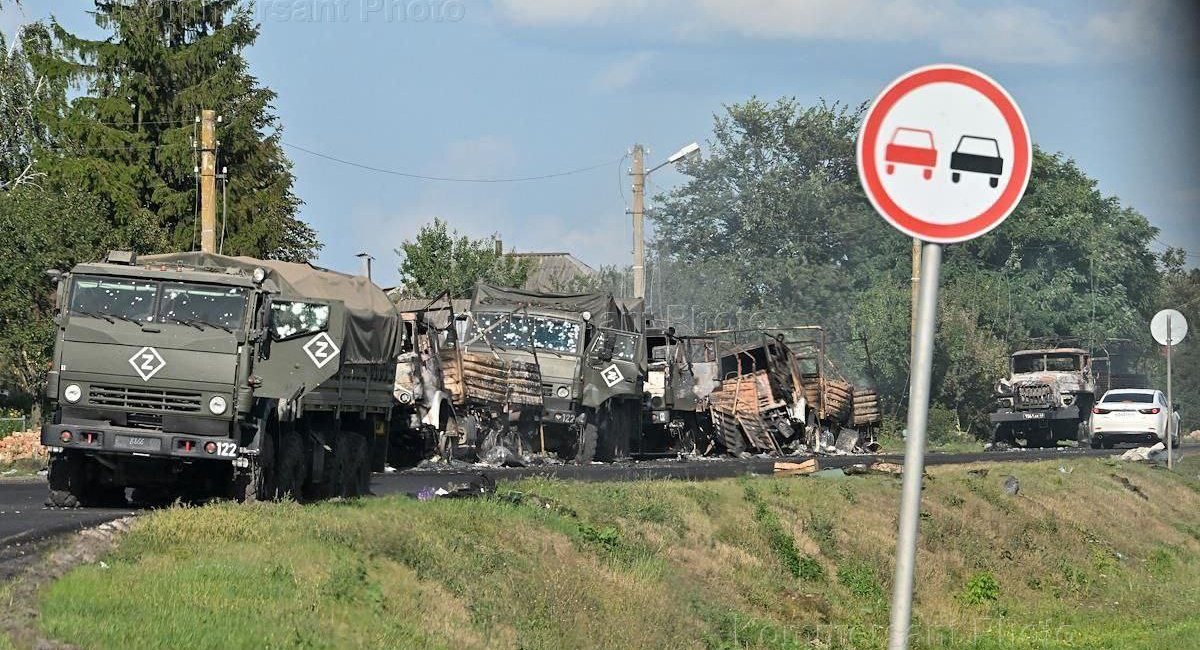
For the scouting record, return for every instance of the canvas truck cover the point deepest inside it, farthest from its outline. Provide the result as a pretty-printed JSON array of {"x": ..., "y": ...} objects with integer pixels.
[
  {"x": 605, "y": 312},
  {"x": 373, "y": 326}
]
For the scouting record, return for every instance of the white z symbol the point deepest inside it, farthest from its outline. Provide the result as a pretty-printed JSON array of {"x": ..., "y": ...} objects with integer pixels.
[
  {"x": 148, "y": 362},
  {"x": 321, "y": 349}
]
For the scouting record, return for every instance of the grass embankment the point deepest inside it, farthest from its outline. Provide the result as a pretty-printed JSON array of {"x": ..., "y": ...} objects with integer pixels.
[{"x": 1102, "y": 557}]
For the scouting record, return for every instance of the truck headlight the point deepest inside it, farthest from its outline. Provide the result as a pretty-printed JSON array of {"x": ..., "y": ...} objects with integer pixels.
[
  {"x": 217, "y": 405},
  {"x": 405, "y": 397},
  {"x": 563, "y": 392},
  {"x": 72, "y": 393},
  {"x": 1068, "y": 399}
]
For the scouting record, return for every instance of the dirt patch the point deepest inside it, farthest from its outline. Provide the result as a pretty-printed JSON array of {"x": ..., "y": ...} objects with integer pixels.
[{"x": 18, "y": 620}]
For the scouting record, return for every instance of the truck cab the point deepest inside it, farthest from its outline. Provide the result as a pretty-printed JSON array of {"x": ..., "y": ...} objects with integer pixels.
[
  {"x": 195, "y": 375},
  {"x": 1046, "y": 397}
]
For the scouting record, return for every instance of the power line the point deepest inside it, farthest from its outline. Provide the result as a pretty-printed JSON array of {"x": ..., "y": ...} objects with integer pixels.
[{"x": 447, "y": 179}]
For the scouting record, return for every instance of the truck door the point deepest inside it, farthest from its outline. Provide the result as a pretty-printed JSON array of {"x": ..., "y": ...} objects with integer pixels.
[
  {"x": 611, "y": 368},
  {"x": 301, "y": 345}
]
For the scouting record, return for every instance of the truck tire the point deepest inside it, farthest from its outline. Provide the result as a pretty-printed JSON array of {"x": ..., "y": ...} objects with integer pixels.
[
  {"x": 585, "y": 444},
  {"x": 73, "y": 484},
  {"x": 291, "y": 464},
  {"x": 612, "y": 440},
  {"x": 65, "y": 477}
]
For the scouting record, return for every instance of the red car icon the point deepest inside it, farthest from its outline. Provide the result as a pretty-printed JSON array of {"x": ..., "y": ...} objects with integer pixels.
[{"x": 911, "y": 147}]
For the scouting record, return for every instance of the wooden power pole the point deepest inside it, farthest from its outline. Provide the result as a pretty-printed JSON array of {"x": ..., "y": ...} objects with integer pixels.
[
  {"x": 208, "y": 181},
  {"x": 639, "y": 213},
  {"x": 916, "y": 282}
]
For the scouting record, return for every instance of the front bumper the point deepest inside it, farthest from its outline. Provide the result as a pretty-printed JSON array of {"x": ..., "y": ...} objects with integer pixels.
[
  {"x": 1014, "y": 415},
  {"x": 1127, "y": 437},
  {"x": 111, "y": 440}
]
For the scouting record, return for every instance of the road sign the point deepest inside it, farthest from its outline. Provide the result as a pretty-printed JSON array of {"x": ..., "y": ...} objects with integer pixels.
[
  {"x": 1169, "y": 327},
  {"x": 944, "y": 154}
]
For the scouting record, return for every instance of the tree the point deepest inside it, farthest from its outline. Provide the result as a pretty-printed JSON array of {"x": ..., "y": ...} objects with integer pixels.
[
  {"x": 43, "y": 230},
  {"x": 130, "y": 136},
  {"x": 438, "y": 261},
  {"x": 22, "y": 133}
]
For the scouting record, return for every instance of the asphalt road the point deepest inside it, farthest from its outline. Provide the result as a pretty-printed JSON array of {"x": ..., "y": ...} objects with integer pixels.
[{"x": 25, "y": 523}]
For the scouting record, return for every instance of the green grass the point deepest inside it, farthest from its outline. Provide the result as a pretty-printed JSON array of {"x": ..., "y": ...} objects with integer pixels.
[{"x": 1075, "y": 561}]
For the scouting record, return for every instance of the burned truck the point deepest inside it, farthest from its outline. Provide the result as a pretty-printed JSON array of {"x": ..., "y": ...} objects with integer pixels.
[
  {"x": 680, "y": 376},
  {"x": 588, "y": 353},
  {"x": 1046, "y": 398},
  {"x": 781, "y": 396},
  {"x": 194, "y": 375},
  {"x": 455, "y": 401}
]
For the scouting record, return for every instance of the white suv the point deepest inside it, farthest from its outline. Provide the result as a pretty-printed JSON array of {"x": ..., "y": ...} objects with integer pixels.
[{"x": 1132, "y": 415}]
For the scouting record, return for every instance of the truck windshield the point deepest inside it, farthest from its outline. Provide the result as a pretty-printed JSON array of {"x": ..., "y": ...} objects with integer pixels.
[
  {"x": 127, "y": 299},
  {"x": 202, "y": 304},
  {"x": 518, "y": 331},
  {"x": 1047, "y": 362}
]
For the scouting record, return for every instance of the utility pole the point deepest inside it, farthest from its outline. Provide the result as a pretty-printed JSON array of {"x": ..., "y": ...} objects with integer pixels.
[
  {"x": 208, "y": 181},
  {"x": 639, "y": 213},
  {"x": 916, "y": 282}
]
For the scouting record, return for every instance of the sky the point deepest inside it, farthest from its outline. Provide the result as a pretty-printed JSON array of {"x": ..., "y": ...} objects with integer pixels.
[{"x": 507, "y": 89}]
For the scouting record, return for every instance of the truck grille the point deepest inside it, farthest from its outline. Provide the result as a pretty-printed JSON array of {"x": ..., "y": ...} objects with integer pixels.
[
  {"x": 144, "y": 399},
  {"x": 1034, "y": 396}
]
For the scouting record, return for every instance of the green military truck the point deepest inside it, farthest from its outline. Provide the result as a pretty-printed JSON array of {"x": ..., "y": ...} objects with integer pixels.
[
  {"x": 192, "y": 375},
  {"x": 590, "y": 357}
]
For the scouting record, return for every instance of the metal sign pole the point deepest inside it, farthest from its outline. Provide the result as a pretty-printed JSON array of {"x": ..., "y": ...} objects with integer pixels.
[
  {"x": 914, "y": 452},
  {"x": 1170, "y": 398}
]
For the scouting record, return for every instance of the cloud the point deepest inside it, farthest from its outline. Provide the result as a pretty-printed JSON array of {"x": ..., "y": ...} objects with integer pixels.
[
  {"x": 546, "y": 13},
  {"x": 1008, "y": 33},
  {"x": 622, "y": 73}
]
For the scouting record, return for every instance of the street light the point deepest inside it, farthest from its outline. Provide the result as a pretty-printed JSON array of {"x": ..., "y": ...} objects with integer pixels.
[{"x": 639, "y": 174}]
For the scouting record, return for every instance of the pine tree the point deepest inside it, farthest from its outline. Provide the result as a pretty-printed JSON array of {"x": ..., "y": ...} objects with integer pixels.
[{"x": 131, "y": 136}]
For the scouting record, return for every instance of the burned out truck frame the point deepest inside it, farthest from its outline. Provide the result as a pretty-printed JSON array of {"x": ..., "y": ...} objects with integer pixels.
[
  {"x": 588, "y": 352},
  {"x": 194, "y": 375},
  {"x": 1046, "y": 398}
]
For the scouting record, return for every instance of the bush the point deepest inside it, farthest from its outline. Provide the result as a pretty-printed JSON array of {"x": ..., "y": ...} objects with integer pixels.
[{"x": 981, "y": 588}]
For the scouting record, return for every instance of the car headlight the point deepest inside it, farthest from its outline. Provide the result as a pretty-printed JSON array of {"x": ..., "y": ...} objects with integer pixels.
[
  {"x": 72, "y": 393},
  {"x": 563, "y": 392},
  {"x": 217, "y": 405}
]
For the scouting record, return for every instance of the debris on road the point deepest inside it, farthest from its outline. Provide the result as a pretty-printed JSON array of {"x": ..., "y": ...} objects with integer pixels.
[
  {"x": 1011, "y": 486},
  {"x": 980, "y": 472},
  {"x": 784, "y": 468},
  {"x": 1155, "y": 453},
  {"x": 478, "y": 485}
]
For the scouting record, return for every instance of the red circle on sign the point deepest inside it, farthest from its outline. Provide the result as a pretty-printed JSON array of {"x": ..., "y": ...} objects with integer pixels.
[{"x": 1013, "y": 189}]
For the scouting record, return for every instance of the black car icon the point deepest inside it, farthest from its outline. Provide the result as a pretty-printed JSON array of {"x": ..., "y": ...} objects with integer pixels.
[{"x": 980, "y": 155}]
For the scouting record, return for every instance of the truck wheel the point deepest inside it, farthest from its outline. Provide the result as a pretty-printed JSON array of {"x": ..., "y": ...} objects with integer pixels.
[
  {"x": 350, "y": 474},
  {"x": 585, "y": 444},
  {"x": 613, "y": 435},
  {"x": 66, "y": 481},
  {"x": 290, "y": 465}
]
